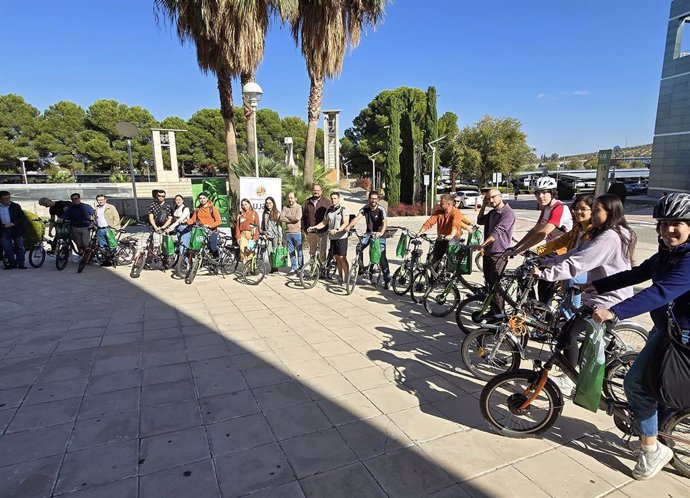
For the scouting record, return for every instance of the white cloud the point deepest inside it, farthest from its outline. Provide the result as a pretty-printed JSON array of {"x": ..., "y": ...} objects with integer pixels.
[
  {"x": 541, "y": 95},
  {"x": 581, "y": 93}
]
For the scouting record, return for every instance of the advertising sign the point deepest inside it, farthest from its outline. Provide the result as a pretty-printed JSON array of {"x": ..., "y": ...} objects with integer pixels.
[
  {"x": 257, "y": 189},
  {"x": 217, "y": 190},
  {"x": 603, "y": 166},
  {"x": 427, "y": 180}
]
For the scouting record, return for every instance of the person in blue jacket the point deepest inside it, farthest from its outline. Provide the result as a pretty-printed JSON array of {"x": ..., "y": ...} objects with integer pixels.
[{"x": 669, "y": 271}]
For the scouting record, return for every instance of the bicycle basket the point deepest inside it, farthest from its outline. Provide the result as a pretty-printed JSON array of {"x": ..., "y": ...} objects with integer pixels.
[
  {"x": 197, "y": 239},
  {"x": 459, "y": 259}
]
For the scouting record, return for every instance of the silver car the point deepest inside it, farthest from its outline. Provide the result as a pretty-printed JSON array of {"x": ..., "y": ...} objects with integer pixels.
[{"x": 466, "y": 198}]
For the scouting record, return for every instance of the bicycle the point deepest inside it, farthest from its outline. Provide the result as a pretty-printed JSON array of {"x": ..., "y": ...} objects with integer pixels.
[
  {"x": 191, "y": 261},
  {"x": 411, "y": 264},
  {"x": 257, "y": 265},
  {"x": 526, "y": 403},
  {"x": 151, "y": 256},
  {"x": 373, "y": 271},
  {"x": 310, "y": 272},
  {"x": 104, "y": 255},
  {"x": 37, "y": 253},
  {"x": 63, "y": 245}
]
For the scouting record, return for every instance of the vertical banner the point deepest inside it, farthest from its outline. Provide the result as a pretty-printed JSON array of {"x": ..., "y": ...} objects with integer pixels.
[
  {"x": 256, "y": 189},
  {"x": 217, "y": 190},
  {"x": 603, "y": 166}
]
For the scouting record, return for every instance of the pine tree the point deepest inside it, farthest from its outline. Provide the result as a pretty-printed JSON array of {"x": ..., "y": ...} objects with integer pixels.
[{"x": 393, "y": 154}]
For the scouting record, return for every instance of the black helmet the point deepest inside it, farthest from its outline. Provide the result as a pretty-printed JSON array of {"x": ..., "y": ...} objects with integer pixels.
[{"x": 673, "y": 207}]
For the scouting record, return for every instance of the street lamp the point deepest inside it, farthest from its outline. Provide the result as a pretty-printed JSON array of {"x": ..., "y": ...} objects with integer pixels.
[
  {"x": 433, "y": 170},
  {"x": 373, "y": 170},
  {"x": 253, "y": 92},
  {"x": 22, "y": 159},
  {"x": 148, "y": 171}
]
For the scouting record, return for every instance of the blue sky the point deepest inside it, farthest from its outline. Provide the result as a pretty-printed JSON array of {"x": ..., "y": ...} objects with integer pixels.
[{"x": 580, "y": 74}]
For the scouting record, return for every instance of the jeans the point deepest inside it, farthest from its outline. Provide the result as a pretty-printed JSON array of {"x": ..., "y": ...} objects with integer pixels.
[
  {"x": 385, "y": 269},
  {"x": 648, "y": 414},
  {"x": 100, "y": 232},
  {"x": 213, "y": 243},
  {"x": 294, "y": 244},
  {"x": 184, "y": 233},
  {"x": 13, "y": 247}
]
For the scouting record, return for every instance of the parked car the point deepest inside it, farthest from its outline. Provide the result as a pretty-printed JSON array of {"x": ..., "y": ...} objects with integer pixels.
[
  {"x": 466, "y": 198},
  {"x": 635, "y": 188}
]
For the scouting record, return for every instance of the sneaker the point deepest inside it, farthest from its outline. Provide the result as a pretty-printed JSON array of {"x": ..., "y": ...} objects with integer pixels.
[
  {"x": 21, "y": 267},
  {"x": 566, "y": 385},
  {"x": 292, "y": 272},
  {"x": 387, "y": 284},
  {"x": 649, "y": 464}
]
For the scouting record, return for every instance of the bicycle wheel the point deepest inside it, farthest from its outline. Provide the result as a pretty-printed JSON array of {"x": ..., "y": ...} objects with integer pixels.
[
  {"x": 182, "y": 267},
  {"x": 309, "y": 274},
  {"x": 85, "y": 258},
  {"x": 352, "y": 276},
  {"x": 402, "y": 281},
  {"x": 254, "y": 270},
  {"x": 485, "y": 358},
  {"x": 62, "y": 257},
  {"x": 479, "y": 262},
  {"x": 138, "y": 264},
  {"x": 442, "y": 298},
  {"x": 468, "y": 314},
  {"x": 502, "y": 397},
  {"x": 125, "y": 254},
  {"x": 194, "y": 269},
  {"x": 678, "y": 430},
  {"x": 228, "y": 261},
  {"x": 630, "y": 336},
  {"x": 37, "y": 255},
  {"x": 615, "y": 373},
  {"x": 420, "y": 284}
]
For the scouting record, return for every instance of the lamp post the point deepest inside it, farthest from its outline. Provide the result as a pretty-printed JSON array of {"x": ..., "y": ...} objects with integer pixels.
[
  {"x": 22, "y": 159},
  {"x": 148, "y": 171},
  {"x": 373, "y": 170},
  {"x": 253, "y": 92},
  {"x": 433, "y": 170}
]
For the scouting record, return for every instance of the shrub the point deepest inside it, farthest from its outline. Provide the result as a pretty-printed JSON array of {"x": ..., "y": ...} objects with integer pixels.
[
  {"x": 407, "y": 210},
  {"x": 119, "y": 178},
  {"x": 364, "y": 183},
  {"x": 33, "y": 230},
  {"x": 61, "y": 177}
]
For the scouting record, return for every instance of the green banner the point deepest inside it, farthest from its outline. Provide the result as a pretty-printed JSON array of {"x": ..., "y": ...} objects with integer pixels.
[
  {"x": 603, "y": 166},
  {"x": 217, "y": 190}
]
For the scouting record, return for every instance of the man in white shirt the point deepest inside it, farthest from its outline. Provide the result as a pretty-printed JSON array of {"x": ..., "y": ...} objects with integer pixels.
[{"x": 105, "y": 216}]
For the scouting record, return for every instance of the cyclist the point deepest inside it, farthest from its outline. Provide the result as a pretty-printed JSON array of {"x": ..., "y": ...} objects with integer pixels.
[
  {"x": 337, "y": 220},
  {"x": 449, "y": 223},
  {"x": 376, "y": 220},
  {"x": 179, "y": 224},
  {"x": 609, "y": 250},
  {"x": 314, "y": 212},
  {"x": 669, "y": 271},
  {"x": 292, "y": 216},
  {"x": 245, "y": 233},
  {"x": 270, "y": 223},
  {"x": 12, "y": 222},
  {"x": 105, "y": 215},
  {"x": 55, "y": 210},
  {"x": 79, "y": 215},
  {"x": 160, "y": 216},
  {"x": 208, "y": 216},
  {"x": 554, "y": 220}
]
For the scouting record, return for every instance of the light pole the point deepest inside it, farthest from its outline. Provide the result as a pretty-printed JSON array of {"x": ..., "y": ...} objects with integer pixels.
[
  {"x": 253, "y": 92},
  {"x": 22, "y": 159},
  {"x": 433, "y": 170},
  {"x": 148, "y": 171},
  {"x": 129, "y": 131},
  {"x": 373, "y": 170}
]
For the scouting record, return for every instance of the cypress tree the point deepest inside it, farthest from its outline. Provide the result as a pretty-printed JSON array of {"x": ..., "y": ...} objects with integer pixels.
[
  {"x": 430, "y": 128},
  {"x": 407, "y": 177},
  {"x": 393, "y": 154}
]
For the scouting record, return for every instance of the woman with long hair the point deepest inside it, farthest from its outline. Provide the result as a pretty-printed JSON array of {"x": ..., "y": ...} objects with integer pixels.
[
  {"x": 244, "y": 231},
  {"x": 179, "y": 224},
  {"x": 270, "y": 224},
  {"x": 609, "y": 250}
]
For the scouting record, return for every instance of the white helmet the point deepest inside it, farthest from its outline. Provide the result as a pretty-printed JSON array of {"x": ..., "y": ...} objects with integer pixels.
[{"x": 546, "y": 183}]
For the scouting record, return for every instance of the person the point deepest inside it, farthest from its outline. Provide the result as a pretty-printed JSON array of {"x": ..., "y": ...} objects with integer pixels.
[
  {"x": 270, "y": 223},
  {"x": 554, "y": 220},
  {"x": 516, "y": 189},
  {"x": 669, "y": 270},
  {"x": 79, "y": 215},
  {"x": 498, "y": 234},
  {"x": 55, "y": 210},
  {"x": 160, "y": 216},
  {"x": 449, "y": 223},
  {"x": 179, "y": 224},
  {"x": 244, "y": 231},
  {"x": 209, "y": 216},
  {"x": 291, "y": 215},
  {"x": 337, "y": 221},
  {"x": 617, "y": 187},
  {"x": 314, "y": 212},
  {"x": 105, "y": 215},
  {"x": 376, "y": 219},
  {"x": 12, "y": 224},
  {"x": 609, "y": 250}
]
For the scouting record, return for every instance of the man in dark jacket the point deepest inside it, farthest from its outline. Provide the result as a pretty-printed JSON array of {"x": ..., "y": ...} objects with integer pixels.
[
  {"x": 12, "y": 222},
  {"x": 314, "y": 212}
]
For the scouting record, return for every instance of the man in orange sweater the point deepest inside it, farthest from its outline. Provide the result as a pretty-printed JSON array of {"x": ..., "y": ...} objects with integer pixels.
[
  {"x": 449, "y": 223},
  {"x": 208, "y": 216}
]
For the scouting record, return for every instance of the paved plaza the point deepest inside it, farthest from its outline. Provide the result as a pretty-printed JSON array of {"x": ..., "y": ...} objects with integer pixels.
[{"x": 114, "y": 387}]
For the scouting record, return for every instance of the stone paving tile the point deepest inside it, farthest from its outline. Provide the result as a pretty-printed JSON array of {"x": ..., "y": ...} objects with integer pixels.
[
  {"x": 348, "y": 408},
  {"x": 45, "y": 414},
  {"x": 163, "y": 358},
  {"x": 374, "y": 437},
  {"x": 206, "y": 353},
  {"x": 116, "y": 364},
  {"x": 194, "y": 479},
  {"x": 317, "y": 452},
  {"x": 12, "y": 398},
  {"x": 327, "y": 386},
  {"x": 104, "y": 430},
  {"x": 20, "y": 372},
  {"x": 31, "y": 350},
  {"x": 505, "y": 482},
  {"x": 221, "y": 383},
  {"x": 54, "y": 391},
  {"x": 100, "y": 405},
  {"x": 166, "y": 373},
  {"x": 239, "y": 434},
  {"x": 391, "y": 398},
  {"x": 115, "y": 381},
  {"x": 367, "y": 378},
  {"x": 289, "y": 490},
  {"x": 77, "y": 344},
  {"x": 172, "y": 449},
  {"x": 227, "y": 406},
  {"x": 126, "y": 488},
  {"x": 264, "y": 376},
  {"x": 213, "y": 367},
  {"x": 171, "y": 417},
  {"x": 34, "y": 479},
  {"x": 168, "y": 392},
  {"x": 252, "y": 470},
  {"x": 423, "y": 423},
  {"x": 280, "y": 395},
  {"x": 117, "y": 339},
  {"x": 297, "y": 420},
  {"x": 352, "y": 480}
]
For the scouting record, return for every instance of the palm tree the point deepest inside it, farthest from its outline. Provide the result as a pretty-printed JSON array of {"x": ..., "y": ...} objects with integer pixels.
[{"x": 323, "y": 28}]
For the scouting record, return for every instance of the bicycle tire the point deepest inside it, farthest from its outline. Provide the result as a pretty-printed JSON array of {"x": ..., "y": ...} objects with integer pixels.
[
  {"x": 479, "y": 262},
  {"x": 254, "y": 270},
  {"x": 507, "y": 358},
  {"x": 84, "y": 260},
  {"x": 62, "y": 257},
  {"x": 37, "y": 255},
  {"x": 352, "y": 276},
  {"x": 420, "y": 284},
  {"x": 138, "y": 265},
  {"x": 632, "y": 335},
  {"x": 309, "y": 274},
  {"x": 614, "y": 374},
  {"x": 181, "y": 269},
  {"x": 467, "y": 314},
  {"x": 374, "y": 275},
  {"x": 228, "y": 261},
  {"x": 679, "y": 424},
  {"x": 442, "y": 298},
  {"x": 193, "y": 269},
  {"x": 125, "y": 254},
  {"x": 549, "y": 401},
  {"x": 402, "y": 281}
]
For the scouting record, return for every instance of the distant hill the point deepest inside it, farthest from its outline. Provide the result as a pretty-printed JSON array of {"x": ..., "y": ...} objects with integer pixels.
[{"x": 633, "y": 151}]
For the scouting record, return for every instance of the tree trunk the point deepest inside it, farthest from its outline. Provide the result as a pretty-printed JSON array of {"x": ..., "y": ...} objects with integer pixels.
[
  {"x": 248, "y": 114},
  {"x": 453, "y": 176},
  {"x": 225, "y": 93},
  {"x": 313, "y": 112}
]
